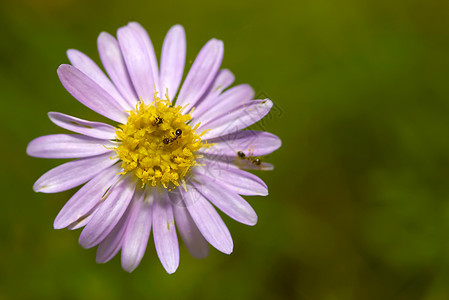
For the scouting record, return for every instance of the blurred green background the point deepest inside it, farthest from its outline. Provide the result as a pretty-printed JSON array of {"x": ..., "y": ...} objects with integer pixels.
[{"x": 359, "y": 198}]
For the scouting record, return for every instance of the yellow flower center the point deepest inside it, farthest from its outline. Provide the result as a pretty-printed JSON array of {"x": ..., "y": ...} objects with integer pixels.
[{"x": 157, "y": 144}]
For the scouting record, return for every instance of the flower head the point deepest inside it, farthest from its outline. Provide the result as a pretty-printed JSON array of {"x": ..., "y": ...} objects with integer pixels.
[{"x": 170, "y": 157}]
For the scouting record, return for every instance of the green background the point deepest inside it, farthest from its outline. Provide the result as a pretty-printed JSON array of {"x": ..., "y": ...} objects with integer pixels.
[{"x": 359, "y": 198}]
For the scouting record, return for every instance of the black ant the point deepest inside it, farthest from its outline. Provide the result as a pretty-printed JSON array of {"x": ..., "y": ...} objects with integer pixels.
[
  {"x": 255, "y": 161},
  {"x": 167, "y": 141},
  {"x": 158, "y": 121}
]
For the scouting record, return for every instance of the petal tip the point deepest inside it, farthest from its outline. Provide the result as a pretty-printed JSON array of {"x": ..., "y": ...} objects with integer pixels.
[
  {"x": 84, "y": 241},
  {"x": 268, "y": 103},
  {"x": 99, "y": 260},
  {"x": 177, "y": 28},
  {"x": 201, "y": 254},
  {"x": 253, "y": 221},
  {"x": 170, "y": 269},
  {"x": 120, "y": 31},
  {"x": 129, "y": 266},
  {"x": 71, "y": 52},
  {"x": 38, "y": 187},
  {"x": 277, "y": 143},
  {"x": 216, "y": 44},
  {"x": 103, "y": 35},
  {"x": 57, "y": 224},
  {"x": 265, "y": 193},
  {"x": 29, "y": 149},
  {"x": 219, "y": 44},
  {"x": 63, "y": 70},
  {"x": 134, "y": 23},
  {"x": 228, "y": 251},
  {"x": 227, "y": 247},
  {"x": 64, "y": 67}
]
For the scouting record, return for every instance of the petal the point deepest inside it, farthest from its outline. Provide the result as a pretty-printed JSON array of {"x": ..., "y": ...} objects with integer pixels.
[
  {"x": 93, "y": 129},
  {"x": 207, "y": 220},
  {"x": 150, "y": 49},
  {"x": 165, "y": 239},
  {"x": 109, "y": 213},
  {"x": 192, "y": 237},
  {"x": 227, "y": 102},
  {"x": 89, "y": 93},
  {"x": 227, "y": 201},
  {"x": 233, "y": 162},
  {"x": 264, "y": 166},
  {"x": 250, "y": 142},
  {"x": 112, "y": 59},
  {"x": 223, "y": 80},
  {"x": 82, "y": 221},
  {"x": 137, "y": 233},
  {"x": 73, "y": 173},
  {"x": 202, "y": 73},
  {"x": 86, "y": 198},
  {"x": 138, "y": 62},
  {"x": 67, "y": 146},
  {"x": 172, "y": 60},
  {"x": 110, "y": 246},
  {"x": 86, "y": 65},
  {"x": 234, "y": 179},
  {"x": 239, "y": 118}
]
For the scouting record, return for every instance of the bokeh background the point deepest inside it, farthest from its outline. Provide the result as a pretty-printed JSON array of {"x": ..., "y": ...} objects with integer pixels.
[{"x": 359, "y": 198}]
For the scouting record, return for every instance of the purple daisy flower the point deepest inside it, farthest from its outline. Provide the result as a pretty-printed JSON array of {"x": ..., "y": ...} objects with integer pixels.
[{"x": 171, "y": 157}]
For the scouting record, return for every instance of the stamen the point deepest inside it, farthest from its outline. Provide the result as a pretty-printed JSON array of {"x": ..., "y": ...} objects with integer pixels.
[{"x": 157, "y": 144}]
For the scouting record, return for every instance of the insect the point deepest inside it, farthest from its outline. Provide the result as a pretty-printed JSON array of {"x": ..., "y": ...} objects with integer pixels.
[
  {"x": 167, "y": 141},
  {"x": 241, "y": 154},
  {"x": 255, "y": 160},
  {"x": 158, "y": 121}
]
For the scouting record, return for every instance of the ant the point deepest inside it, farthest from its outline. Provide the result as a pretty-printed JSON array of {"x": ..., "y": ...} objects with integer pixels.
[
  {"x": 167, "y": 141},
  {"x": 158, "y": 121},
  {"x": 255, "y": 161}
]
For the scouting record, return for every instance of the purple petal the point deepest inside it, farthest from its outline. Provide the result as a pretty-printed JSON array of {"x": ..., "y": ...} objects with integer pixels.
[
  {"x": 137, "y": 233},
  {"x": 264, "y": 166},
  {"x": 250, "y": 142},
  {"x": 93, "y": 129},
  {"x": 234, "y": 179},
  {"x": 83, "y": 221},
  {"x": 227, "y": 102},
  {"x": 145, "y": 37},
  {"x": 223, "y": 79},
  {"x": 236, "y": 120},
  {"x": 112, "y": 59},
  {"x": 172, "y": 60},
  {"x": 207, "y": 220},
  {"x": 165, "y": 239},
  {"x": 86, "y": 65},
  {"x": 86, "y": 198},
  {"x": 233, "y": 162},
  {"x": 202, "y": 73},
  {"x": 89, "y": 93},
  {"x": 138, "y": 62},
  {"x": 109, "y": 213},
  {"x": 110, "y": 246},
  {"x": 73, "y": 173},
  {"x": 227, "y": 201},
  {"x": 67, "y": 146},
  {"x": 192, "y": 237}
]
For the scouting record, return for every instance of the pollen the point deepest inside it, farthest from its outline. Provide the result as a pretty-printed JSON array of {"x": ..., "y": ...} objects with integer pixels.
[{"x": 157, "y": 144}]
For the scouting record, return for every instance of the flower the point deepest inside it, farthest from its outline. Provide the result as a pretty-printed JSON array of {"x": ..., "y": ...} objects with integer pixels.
[{"x": 166, "y": 162}]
